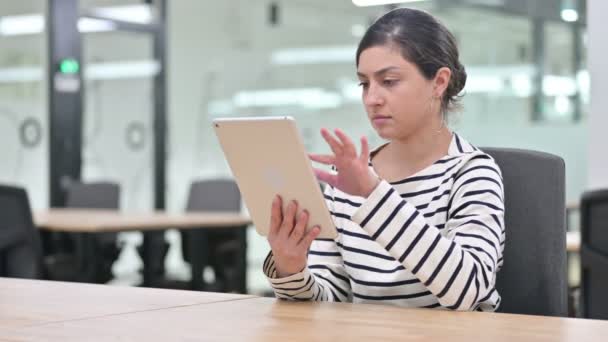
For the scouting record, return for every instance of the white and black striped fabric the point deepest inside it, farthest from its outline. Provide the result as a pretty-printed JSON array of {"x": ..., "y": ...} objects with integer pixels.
[{"x": 432, "y": 240}]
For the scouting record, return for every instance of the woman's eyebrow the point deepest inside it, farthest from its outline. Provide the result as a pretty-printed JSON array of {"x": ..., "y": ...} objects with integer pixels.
[{"x": 379, "y": 72}]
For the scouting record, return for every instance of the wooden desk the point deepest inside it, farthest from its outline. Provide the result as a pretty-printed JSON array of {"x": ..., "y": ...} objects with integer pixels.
[
  {"x": 266, "y": 319},
  {"x": 34, "y": 302},
  {"x": 95, "y": 221},
  {"x": 87, "y": 221}
]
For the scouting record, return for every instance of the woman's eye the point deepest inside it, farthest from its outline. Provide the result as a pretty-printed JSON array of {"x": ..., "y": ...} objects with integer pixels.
[
  {"x": 389, "y": 83},
  {"x": 363, "y": 84}
]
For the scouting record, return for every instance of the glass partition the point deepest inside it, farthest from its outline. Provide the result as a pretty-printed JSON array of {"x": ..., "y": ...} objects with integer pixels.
[{"x": 23, "y": 99}]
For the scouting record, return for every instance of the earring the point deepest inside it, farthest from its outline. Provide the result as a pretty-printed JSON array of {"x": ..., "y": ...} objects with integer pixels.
[
  {"x": 432, "y": 103},
  {"x": 433, "y": 100},
  {"x": 443, "y": 122}
]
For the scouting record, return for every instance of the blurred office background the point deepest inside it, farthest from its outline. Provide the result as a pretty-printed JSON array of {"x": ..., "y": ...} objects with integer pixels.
[{"x": 528, "y": 86}]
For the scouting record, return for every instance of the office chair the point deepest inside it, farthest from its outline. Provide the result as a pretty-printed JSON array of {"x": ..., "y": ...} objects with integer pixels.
[
  {"x": 533, "y": 279},
  {"x": 20, "y": 248},
  {"x": 62, "y": 263},
  {"x": 594, "y": 254},
  {"x": 226, "y": 252},
  {"x": 99, "y": 195}
]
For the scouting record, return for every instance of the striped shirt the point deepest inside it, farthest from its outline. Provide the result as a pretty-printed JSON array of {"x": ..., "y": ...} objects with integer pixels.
[{"x": 432, "y": 240}]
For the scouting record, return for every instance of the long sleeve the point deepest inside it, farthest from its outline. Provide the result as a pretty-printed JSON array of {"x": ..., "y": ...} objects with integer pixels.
[
  {"x": 459, "y": 265},
  {"x": 324, "y": 279}
]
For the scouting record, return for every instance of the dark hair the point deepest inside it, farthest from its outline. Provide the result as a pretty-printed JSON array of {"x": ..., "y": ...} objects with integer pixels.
[{"x": 423, "y": 41}]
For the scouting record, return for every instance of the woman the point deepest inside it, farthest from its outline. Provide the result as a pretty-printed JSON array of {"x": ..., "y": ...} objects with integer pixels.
[{"x": 420, "y": 219}]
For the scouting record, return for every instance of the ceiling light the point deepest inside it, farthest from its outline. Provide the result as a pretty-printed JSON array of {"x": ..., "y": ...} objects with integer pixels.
[
  {"x": 569, "y": 15},
  {"x": 559, "y": 85},
  {"x": 34, "y": 23},
  {"x": 330, "y": 54},
  {"x": 121, "y": 70},
  {"x": 93, "y": 71},
  {"x": 21, "y": 24},
  {"x": 312, "y": 98},
  {"x": 21, "y": 74},
  {"x": 141, "y": 14},
  {"x": 95, "y": 25}
]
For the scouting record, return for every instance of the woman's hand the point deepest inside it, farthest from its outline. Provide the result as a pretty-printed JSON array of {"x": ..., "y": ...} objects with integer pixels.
[
  {"x": 288, "y": 238},
  {"x": 354, "y": 176}
]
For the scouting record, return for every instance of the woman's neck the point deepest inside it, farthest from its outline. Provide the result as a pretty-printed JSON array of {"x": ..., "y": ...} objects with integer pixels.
[{"x": 401, "y": 158}]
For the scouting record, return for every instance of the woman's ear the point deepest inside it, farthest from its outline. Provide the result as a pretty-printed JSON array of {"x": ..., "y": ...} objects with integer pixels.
[{"x": 441, "y": 81}]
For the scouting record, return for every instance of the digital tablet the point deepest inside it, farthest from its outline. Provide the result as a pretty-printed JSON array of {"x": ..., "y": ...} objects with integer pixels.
[{"x": 267, "y": 157}]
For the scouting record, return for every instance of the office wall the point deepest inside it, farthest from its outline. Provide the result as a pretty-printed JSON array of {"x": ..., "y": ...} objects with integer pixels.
[{"x": 598, "y": 116}]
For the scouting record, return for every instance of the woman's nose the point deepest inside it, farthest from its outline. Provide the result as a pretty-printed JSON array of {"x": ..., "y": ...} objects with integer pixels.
[{"x": 372, "y": 97}]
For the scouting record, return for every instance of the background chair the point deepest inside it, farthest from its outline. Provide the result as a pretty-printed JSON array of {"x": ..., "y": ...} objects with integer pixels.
[
  {"x": 99, "y": 195},
  {"x": 533, "y": 279},
  {"x": 226, "y": 247},
  {"x": 69, "y": 249},
  {"x": 594, "y": 254},
  {"x": 20, "y": 249}
]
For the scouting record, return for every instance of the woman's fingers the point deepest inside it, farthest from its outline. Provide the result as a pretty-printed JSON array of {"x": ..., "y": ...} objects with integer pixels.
[
  {"x": 289, "y": 219},
  {"x": 333, "y": 143},
  {"x": 326, "y": 177},
  {"x": 276, "y": 216},
  {"x": 326, "y": 159},
  {"x": 309, "y": 238},
  {"x": 300, "y": 227},
  {"x": 347, "y": 144},
  {"x": 364, "y": 150}
]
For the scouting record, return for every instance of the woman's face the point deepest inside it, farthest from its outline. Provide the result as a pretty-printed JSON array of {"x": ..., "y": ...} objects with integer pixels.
[{"x": 398, "y": 99}]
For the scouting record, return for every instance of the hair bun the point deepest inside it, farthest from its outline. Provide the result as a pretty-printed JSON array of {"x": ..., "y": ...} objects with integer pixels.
[{"x": 460, "y": 79}]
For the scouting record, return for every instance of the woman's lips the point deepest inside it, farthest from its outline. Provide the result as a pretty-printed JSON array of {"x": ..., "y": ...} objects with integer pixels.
[{"x": 381, "y": 119}]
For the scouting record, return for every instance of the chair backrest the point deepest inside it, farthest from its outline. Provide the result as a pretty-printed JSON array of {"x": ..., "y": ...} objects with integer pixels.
[
  {"x": 95, "y": 195},
  {"x": 100, "y": 195},
  {"x": 214, "y": 195},
  {"x": 20, "y": 250},
  {"x": 533, "y": 279},
  {"x": 594, "y": 254},
  {"x": 15, "y": 216}
]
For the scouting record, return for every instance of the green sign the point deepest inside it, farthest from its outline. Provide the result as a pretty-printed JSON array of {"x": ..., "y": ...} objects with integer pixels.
[{"x": 69, "y": 66}]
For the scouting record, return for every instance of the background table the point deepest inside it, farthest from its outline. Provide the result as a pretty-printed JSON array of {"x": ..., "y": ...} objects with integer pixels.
[
  {"x": 89, "y": 221},
  {"x": 95, "y": 221}
]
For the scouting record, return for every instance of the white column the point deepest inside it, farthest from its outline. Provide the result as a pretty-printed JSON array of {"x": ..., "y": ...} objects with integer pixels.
[{"x": 597, "y": 25}]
